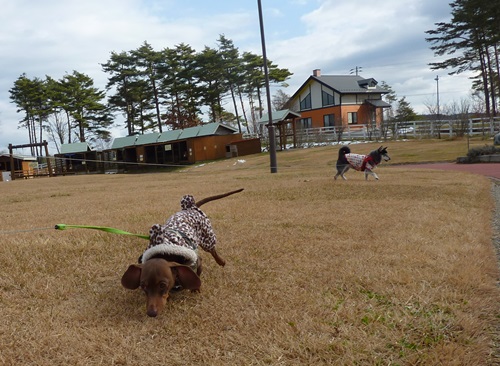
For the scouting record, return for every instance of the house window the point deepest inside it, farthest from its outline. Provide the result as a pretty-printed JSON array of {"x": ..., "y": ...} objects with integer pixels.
[
  {"x": 306, "y": 122},
  {"x": 352, "y": 117},
  {"x": 329, "y": 120},
  {"x": 327, "y": 99},
  {"x": 306, "y": 102}
]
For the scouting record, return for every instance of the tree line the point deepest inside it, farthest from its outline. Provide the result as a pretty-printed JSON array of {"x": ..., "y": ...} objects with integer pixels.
[
  {"x": 153, "y": 90},
  {"x": 470, "y": 42}
]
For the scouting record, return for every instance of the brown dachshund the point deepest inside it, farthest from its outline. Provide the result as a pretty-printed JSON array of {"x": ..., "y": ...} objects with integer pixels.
[{"x": 171, "y": 259}]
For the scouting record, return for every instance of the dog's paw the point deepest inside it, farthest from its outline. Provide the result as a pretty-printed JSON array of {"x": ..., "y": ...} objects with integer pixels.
[{"x": 220, "y": 261}]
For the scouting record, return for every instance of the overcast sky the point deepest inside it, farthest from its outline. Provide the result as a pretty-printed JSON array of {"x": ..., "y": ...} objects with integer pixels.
[{"x": 386, "y": 38}]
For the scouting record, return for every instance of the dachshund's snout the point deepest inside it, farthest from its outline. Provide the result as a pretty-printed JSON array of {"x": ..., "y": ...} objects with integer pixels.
[{"x": 152, "y": 312}]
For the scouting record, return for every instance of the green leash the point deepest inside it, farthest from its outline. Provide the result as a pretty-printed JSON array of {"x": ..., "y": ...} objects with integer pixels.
[{"x": 102, "y": 228}]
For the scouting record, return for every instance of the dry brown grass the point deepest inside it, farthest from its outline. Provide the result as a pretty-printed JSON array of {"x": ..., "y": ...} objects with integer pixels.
[{"x": 396, "y": 272}]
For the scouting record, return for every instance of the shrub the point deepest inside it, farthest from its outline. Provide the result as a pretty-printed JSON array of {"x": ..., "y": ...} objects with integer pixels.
[{"x": 484, "y": 150}]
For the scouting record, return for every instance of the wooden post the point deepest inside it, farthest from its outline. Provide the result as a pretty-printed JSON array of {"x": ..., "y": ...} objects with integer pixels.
[
  {"x": 282, "y": 130},
  {"x": 12, "y": 171},
  {"x": 45, "y": 144},
  {"x": 294, "y": 129}
]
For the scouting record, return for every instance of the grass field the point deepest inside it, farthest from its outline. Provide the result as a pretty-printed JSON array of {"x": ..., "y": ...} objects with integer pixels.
[{"x": 400, "y": 271}]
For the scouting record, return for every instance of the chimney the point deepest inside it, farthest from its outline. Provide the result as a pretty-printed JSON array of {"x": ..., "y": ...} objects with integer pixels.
[{"x": 317, "y": 72}]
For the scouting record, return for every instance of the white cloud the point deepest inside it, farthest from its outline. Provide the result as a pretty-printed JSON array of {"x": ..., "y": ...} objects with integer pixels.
[{"x": 52, "y": 37}]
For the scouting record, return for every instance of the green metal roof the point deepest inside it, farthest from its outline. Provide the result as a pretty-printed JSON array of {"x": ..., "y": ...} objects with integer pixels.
[
  {"x": 121, "y": 142},
  {"x": 216, "y": 129},
  {"x": 208, "y": 129},
  {"x": 78, "y": 147},
  {"x": 148, "y": 139},
  {"x": 167, "y": 136},
  {"x": 279, "y": 116},
  {"x": 189, "y": 132}
]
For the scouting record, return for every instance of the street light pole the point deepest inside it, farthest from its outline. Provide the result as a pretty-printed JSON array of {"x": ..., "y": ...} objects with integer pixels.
[{"x": 270, "y": 126}]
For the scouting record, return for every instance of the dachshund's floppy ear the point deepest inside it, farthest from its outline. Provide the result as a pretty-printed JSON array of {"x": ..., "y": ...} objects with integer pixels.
[
  {"x": 131, "y": 279},
  {"x": 188, "y": 279}
]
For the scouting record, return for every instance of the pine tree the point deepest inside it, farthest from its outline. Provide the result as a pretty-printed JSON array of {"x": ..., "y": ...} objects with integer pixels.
[
  {"x": 84, "y": 102},
  {"x": 471, "y": 38},
  {"x": 150, "y": 64},
  {"x": 179, "y": 87},
  {"x": 212, "y": 81},
  {"x": 124, "y": 72},
  {"x": 231, "y": 64},
  {"x": 30, "y": 97},
  {"x": 404, "y": 111}
]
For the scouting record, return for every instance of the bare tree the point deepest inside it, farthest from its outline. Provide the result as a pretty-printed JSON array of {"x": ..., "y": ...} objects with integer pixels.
[
  {"x": 460, "y": 115},
  {"x": 436, "y": 121},
  {"x": 280, "y": 100},
  {"x": 57, "y": 129}
]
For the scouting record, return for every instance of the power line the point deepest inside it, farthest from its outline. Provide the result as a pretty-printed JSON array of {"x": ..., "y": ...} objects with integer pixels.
[
  {"x": 8, "y": 232},
  {"x": 117, "y": 162}
]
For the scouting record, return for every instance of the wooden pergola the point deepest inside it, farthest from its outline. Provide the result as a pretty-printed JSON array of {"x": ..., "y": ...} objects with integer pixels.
[
  {"x": 285, "y": 121},
  {"x": 11, "y": 152}
]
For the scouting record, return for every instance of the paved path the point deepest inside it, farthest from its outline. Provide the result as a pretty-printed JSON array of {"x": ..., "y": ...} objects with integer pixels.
[{"x": 491, "y": 170}]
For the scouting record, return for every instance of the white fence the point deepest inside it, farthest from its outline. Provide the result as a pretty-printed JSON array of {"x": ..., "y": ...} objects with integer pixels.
[{"x": 413, "y": 129}]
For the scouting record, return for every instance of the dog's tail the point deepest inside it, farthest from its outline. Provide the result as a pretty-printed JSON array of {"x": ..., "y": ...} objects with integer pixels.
[
  {"x": 212, "y": 198},
  {"x": 344, "y": 150},
  {"x": 342, "y": 153}
]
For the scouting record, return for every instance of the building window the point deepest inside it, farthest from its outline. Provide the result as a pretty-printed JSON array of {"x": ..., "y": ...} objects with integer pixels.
[
  {"x": 306, "y": 102},
  {"x": 329, "y": 120},
  {"x": 352, "y": 117},
  {"x": 327, "y": 99},
  {"x": 306, "y": 122}
]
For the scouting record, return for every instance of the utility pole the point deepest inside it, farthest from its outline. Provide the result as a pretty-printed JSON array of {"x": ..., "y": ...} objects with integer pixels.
[
  {"x": 437, "y": 92},
  {"x": 358, "y": 69},
  {"x": 270, "y": 126}
]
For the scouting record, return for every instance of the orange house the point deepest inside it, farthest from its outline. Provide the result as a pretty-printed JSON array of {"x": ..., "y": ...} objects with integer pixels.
[{"x": 338, "y": 100}]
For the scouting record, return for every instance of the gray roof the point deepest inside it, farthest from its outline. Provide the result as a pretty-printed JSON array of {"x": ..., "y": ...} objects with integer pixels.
[
  {"x": 208, "y": 129},
  {"x": 279, "y": 116},
  {"x": 378, "y": 103},
  {"x": 344, "y": 84},
  {"x": 77, "y": 147},
  {"x": 350, "y": 84}
]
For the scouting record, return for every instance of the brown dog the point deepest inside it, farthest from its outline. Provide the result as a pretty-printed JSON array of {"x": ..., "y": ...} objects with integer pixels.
[{"x": 171, "y": 258}]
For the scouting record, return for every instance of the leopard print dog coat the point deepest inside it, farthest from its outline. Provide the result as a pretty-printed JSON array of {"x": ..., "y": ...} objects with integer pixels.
[{"x": 181, "y": 235}]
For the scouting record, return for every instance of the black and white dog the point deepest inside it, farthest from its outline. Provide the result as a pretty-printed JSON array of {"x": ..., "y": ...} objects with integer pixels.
[{"x": 363, "y": 163}]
